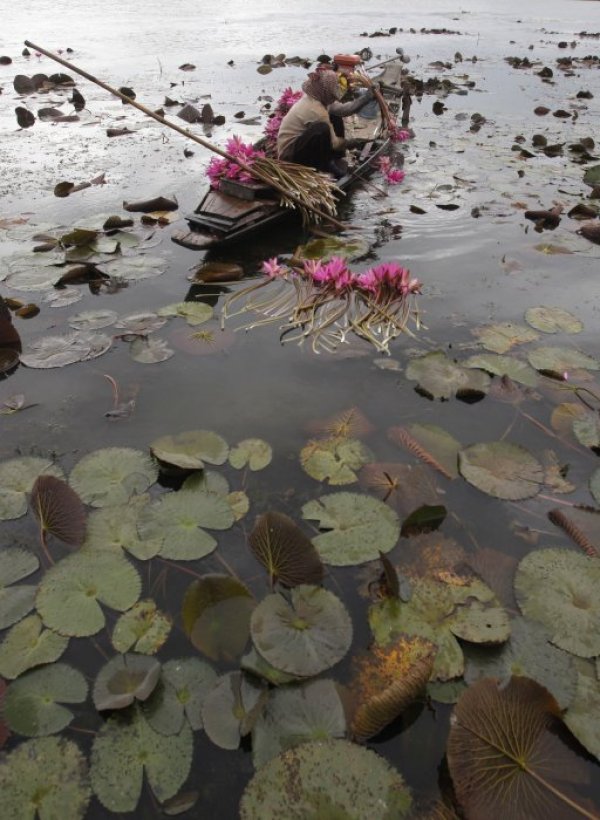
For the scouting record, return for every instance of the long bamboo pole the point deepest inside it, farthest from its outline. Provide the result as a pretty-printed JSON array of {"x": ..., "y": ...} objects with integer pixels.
[{"x": 184, "y": 132}]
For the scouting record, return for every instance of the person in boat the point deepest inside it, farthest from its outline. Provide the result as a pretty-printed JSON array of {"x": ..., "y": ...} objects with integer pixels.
[{"x": 312, "y": 132}]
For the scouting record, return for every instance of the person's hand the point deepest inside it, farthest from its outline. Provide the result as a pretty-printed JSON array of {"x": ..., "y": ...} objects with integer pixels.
[{"x": 353, "y": 143}]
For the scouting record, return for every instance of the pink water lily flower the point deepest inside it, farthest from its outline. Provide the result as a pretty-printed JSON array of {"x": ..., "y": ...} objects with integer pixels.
[
  {"x": 272, "y": 268},
  {"x": 394, "y": 176},
  {"x": 398, "y": 134}
]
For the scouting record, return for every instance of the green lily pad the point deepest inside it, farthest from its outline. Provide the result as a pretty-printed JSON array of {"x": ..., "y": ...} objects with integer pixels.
[
  {"x": 216, "y": 616},
  {"x": 177, "y": 521},
  {"x": 180, "y": 694},
  {"x": 516, "y": 370},
  {"x": 561, "y": 589},
  {"x": 561, "y": 359},
  {"x": 448, "y": 691},
  {"x": 32, "y": 705},
  {"x": 254, "y": 452},
  {"x": 126, "y": 749},
  {"x": 441, "y": 612},
  {"x": 71, "y": 592},
  {"x": 147, "y": 350},
  {"x": 191, "y": 450},
  {"x": 297, "y": 714},
  {"x": 231, "y": 709},
  {"x": 595, "y": 485},
  {"x": 499, "y": 338},
  {"x": 123, "y": 679},
  {"x": 93, "y": 319},
  {"x": 553, "y": 320},
  {"x": 528, "y": 654},
  {"x": 16, "y": 601},
  {"x": 439, "y": 377},
  {"x": 583, "y": 715},
  {"x": 303, "y": 633},
  {"x": 207, "y": 481},
  {"x": 501, "y": 469},
  {"x": 587, "y": 430},
  {"x": 592, "y": 176},
  {"x": 326, "y": 779},
  {"x": 432, "y": 444},
  {"x": 17, "y": 477},
  {"x": 28, "y": 645},
  {"x": 46, "y": 778},
  {"x": 195, "y": 313},
  {"x": 60, "y": 351},
  {"x": 143, "y": 628},
  {"x": 112, "y": 475},
  {"x": 359, "y": 527},
  {"x": 325, "y": 248},
  {"x": 335, "y": 459},
  {"x": 255, "y": 664},
  {"x": 135, "y": 268},
  {"x": 115, "y": 529}
]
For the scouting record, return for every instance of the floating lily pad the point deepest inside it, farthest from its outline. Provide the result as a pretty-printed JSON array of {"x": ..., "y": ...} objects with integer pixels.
[
  {"x": 126, "y": 749},
  {"x": 180, "y": 694},
  {"x": 140, "y": 324},
  {"x": 216, "y": 616},
  {"x": 239, "y": 503},
  {"x": 587, "y": 430},
  {"x": 325, "y": 248},
  {"x": 32, "y": 706},
  {"x": 231, "y": 709},
  {"x": 123, "y": 679},
  {"x": 150, "y": 351},
  {"x": 135, "y": 268},
  {"x": 16, "y": 601},
  {"x": 583, "y": 715},
  {"x": 177, "y": 519},
  {"x": 441, "y": 611},
  {"x": 326, "y": 779},
  {"x": 561, "y": 589},
  {"x": 553, "y": 320},
  {"x": 255, "y": 664},
  {"x": 502, "y": 469},
  {"x": 402, "y": 486},
  {"x": 195, "y": 313},
  {"x": 191, "y": 450},
  {"x": 28, "y": 645},
  {"x": 595, "y": 485},
  {"x": 499, "y": 338},
  {"x": 143, "y": 628},
  {"x": 71, "y": 592},
  {"x": 335, "y": 459},
  {"x": 528, "y": 654},
  {"x": 439, "y": 377},
  {"x": 112, "y": 475},
  {"x": 115, "y": 528},
  {"x": 285, "y": 551},
  {"x": 46, "y": 778},
  {"x": 430, "y": 443},
  {"x": 297, "y": 714},
  {"x": 59, "y": 351},
  {"x": 591, "y": 176},
  {"x": 17, "y": 477},
  {"x": 254, "y": 452},
  {"x": 516, "y": 370},
  {"x": 304, "y": 635},
  {"x": 561, "y": 359},
  {"x": 93, "y": 319},
  {"x": 59, "y": 510},
  {"x": 359, "y": 527}
]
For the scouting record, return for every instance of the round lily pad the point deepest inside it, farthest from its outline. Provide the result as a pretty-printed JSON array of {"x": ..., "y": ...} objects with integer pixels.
[
  {"x": 561, "y": 359},
  {"x": 583, "y": 715},
  {"x": 140, "y": 324},
  {"x": 499, "y": 338},
  {"x": 502, "y": 469},
  {"x": 32, "y": 705},
  {"x": 143, "y": 628},
  {"x": 46, "y": 778},
  {"x": 123, "y": 679},
  {"x": 115, "y": 528},
  {"x": 304, "y": 635},
  {"x": 93, "y": 319},
  {"x": 180, "y": 694},
  {"x": 59, "y": 351},
  {"x": 231, "y": 708},
  {"x": 335, "y": 459},
  {"x": 17, "y": 477},
  {"x": 191, "y": 450},
  {"x": 195, "y": 313},
  {"x": 15, "y": 601},
  {"x": 439, "y": 377},
  {"x": 135, "y": 268},
  {"x": 516, "y": 370},
  {"x": 431, "y": 443},
  {"x": 150, "y": 351},
  {"x": 254, "y": 452},
  {"x": 71, "y": 592},
  {"x": 561, "y": 589},
  {"x": 553, "y": 320},
  {"x": 112, "y": 475},
  {"x": 28, "y": 645},
  {"x": 357, "y": 527},
  {"x": 331, "y": 778},
  {"x": 587, "y": 430}
]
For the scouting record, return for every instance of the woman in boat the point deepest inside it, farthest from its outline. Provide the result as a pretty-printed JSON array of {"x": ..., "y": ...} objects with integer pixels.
[{"x": 312, "y": 132}]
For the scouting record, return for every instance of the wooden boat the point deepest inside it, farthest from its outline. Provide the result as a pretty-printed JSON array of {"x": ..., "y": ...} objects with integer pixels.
[{"x": 237, "y": 210}]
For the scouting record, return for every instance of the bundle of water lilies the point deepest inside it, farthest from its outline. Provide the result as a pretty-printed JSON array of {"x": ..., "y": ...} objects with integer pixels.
[
  {"x": 282, "y": 106},
  {"x": 325, "y": 302}
]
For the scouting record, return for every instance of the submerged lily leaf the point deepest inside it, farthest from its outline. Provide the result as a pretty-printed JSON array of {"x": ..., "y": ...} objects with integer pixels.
[
  {"x": 441, "y": 611},
  {"x": 516, "y": 370},
  {"x": 195, "y": 313},
  {"x": 401, "y": 486},
  {"x": 504, "y": 758},
  {"x": 285, "y": 551},
  {"x": 231, "y": 709},
  {"x": 28, "y": 645},
  {"x": 561, "y": 589},
  {"x": 432, "y": 444},
  {"x": 502, "y": 469},
  {"x": 561, "y": 359},
  {"x": 325, "y": 248},
  {"x": 143, "y": 628},
  {"x": 304, "y": 635},
  {"x": 424, "y": 519},
  {"x": 32, "y": 704},
  {"x": 351, "y": 423},
  {"x": 216, "y": 616},
  {"x": 58, "y": 509},
  {"x": 17, "y": 477},
  {"x": 46, "y": 778},
  {"x": 254, "y": 452},
  {"x": 123, "y": 679},
  {"x": 180, "y": 694},
  {"x": 335, "y": 459},
  {"x": 439, "y": 377},
  {"x": 71, "y": 592},
  {"x": 297, "y": 714},
  {"x": 583, "y": 715},
  {"x": 59, "y": 351},
  {"x": 16, "y": 601},
  {"x": 191, "y": 450},
  {"x": 112, "y": 475},
  {"x": 125, "y": 749},
  {"x": 501, "y": 337},
  {"x": 553, "y": 320},
  {"x": 358, "y": 528},
  {"x": 115, "y": 528},
  {"x": 326, "y": 779}
]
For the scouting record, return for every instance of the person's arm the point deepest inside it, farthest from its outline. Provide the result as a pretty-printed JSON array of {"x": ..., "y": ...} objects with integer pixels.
[{"x": 340, "y": 109}]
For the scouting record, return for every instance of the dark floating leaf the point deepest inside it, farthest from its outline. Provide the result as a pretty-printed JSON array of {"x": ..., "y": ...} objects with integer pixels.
[
  {"x": 23, "y": 84},
  {"x": 127, "y": 92},
  {"x": 147, "y": 206},
  {"x": 190, "y": 114},
  {"x": 61, "y": 79},
  {"x": 591, "y": 231},
  {"x": 49, "y": 114},
  {"x": 24, "y": 117},
  {"x": 425, "y": 519},
  {"x": 123, "y": 679},
  {"x": 59, "y": 510},
  {"x": 187, "y": 67},
  {"x": 77, "y": 100},
  {"x": 27, "y": 311},
  {"x": 118, "y": 132},
  {"x": 285, "y": 551},
  {"x": 63, "y": 189},
  {"x": 4, "y": 60},
  {"x": 115, "y": 223}
]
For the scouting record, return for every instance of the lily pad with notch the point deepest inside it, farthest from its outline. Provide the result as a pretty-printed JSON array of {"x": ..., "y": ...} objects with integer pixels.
[
  {"x": 232, "y": 708},
  {"x": 112, "y": 475},
  {"x": 335, "y": 460},
  {"x": 499, "y": 338},
  {"x": 59, "y": 510},
  {"x": 60, "y": 351},
  {"x": 150, "y": 351},
  {"x": 124, "y": 679},
  {"x": 29, "y": 644},
  {"x": 33, "y": 702},
  {"x": 254, "y": 453},
  {"x": 502, "y": 469},
  {"x": 561, "y": 359},
  {"x": 191, "y": 450},
  {"x": 553, "y": 320},
  {"x": 143, "y": 628},
  {"x": 438, "y": 377},
  {"x": 195, "y": 313},
  {"x": 583, "y": 714},
  {"x": 16, "y": 600},
  {"x": 179, "y": 696},
  {"x": 285, "y": 551},
  {"x": 114, "y": 528},
  {"x": 500, "y": 365}
]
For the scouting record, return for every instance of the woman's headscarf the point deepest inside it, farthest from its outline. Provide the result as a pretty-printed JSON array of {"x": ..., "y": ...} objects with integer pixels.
[{"x": 322, "y": 86}]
